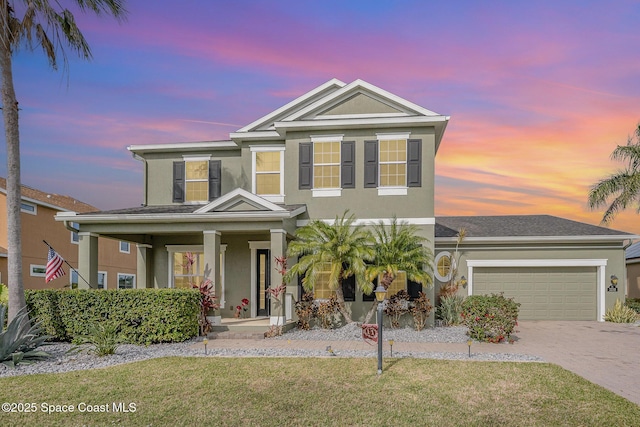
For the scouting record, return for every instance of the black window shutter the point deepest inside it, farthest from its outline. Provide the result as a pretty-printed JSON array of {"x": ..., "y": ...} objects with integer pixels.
[
  {"x": 215, "y": 179},
  {"x": 413, "y": 288},
  {"x": 349, "y": 288},
  {"x": 370, "y": 164},
  {"x": 414, "y": 163},
  {"x": 348, "y": 164},
  {"x": 305, "y": 175},
  {"x": 372, "y": 295},
  {"x": 178, "y": 182}
]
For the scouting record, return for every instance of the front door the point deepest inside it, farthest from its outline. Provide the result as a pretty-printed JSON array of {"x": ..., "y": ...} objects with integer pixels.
[{"x": 263, "y": 277}]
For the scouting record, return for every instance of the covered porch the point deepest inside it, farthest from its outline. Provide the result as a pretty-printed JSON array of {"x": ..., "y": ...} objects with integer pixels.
[{"x": 232, "y": 241}]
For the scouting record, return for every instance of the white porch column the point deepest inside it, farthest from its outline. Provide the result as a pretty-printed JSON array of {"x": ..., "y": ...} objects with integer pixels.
[
  {"x": 143, "y": 264},
  {"x": 278, "y": 249},
  {"x": 87, "y": 260},
  {"x": 212, "y": 258}
]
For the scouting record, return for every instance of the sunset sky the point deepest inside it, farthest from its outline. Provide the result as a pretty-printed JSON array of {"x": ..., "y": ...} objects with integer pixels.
[{"x": 539, "y": 93}]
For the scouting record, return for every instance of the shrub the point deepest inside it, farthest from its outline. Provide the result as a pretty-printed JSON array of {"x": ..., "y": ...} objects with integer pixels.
[
  {"x": 450, "y": 309},
  {"x": 490, "y": 318},
  {"x": 327, "y": 311},
  {"x": 103, "y": 339},
  {"x": 144, "y": 316},
  {"x": 634, "y": 304},
  {"x": 18, "y": 343},
  {"x": 305, "y": 311},
  {"x": 620, "y": 314},
  {"x": 396, "y": 307},
  {"x": 420, "y": 309}
]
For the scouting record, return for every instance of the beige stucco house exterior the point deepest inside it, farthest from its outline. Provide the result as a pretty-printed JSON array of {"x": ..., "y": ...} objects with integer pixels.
[{"x": 224, "y": 209}]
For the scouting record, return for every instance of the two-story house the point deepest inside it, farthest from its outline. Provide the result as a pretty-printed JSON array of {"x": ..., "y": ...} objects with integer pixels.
[
  {"x": 116, "y": 268},
  {"x": 224, "y": 209}
]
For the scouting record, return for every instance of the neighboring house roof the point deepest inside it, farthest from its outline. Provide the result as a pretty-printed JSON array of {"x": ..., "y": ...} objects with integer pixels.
[
  {"x": 633, "y": 251},
  {"x": 510, "y": 227},
  {"x": 55, "y": 201}
]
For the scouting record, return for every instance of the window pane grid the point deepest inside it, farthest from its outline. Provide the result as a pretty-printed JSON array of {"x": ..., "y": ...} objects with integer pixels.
[
  {"x": 398, "y": 284},
  {"x": 321, "y": 290},
  {"x": 188, "y": 269},
  {"x": 197, "y": 181},
  {"x": 326, "y": 164},
  {"x": 393, "y": 163},
  {"x": 268, "y": 170}
]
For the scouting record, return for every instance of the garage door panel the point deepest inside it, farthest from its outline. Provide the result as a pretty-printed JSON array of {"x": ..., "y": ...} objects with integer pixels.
[{"x": 553, "y": 293}]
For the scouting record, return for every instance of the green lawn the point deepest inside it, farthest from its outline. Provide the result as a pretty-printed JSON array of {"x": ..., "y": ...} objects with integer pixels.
[{"x": 318, "y": 392}]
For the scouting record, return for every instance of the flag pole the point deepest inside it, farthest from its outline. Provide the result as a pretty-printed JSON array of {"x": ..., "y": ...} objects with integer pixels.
[{"x": 70, "y": 266}]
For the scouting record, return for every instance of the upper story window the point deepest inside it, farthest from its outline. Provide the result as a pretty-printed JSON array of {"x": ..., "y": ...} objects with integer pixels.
[
  {"x": 125, "y": 247},
  {"x": 327, "y": 165},
  {"x": 393, "y": 163},
  {"x": 75, "y": 238},
  {"x": 196, "y": 180},
  {"x": 29, "y": 208},
  {"x": 268, "y": 172}
]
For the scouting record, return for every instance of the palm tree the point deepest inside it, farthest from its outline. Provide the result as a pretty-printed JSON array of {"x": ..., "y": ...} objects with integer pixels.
[
  {"x": 47, "y": 25},
  {"x": 623, "y": 186},
  {"x": 343, "y": 247},
  {"x": 399, "y": 248}
]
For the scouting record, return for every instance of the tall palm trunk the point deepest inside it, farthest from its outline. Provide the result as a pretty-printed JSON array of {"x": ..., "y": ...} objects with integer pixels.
[
  {"x": 12, "y": 134},
  {"x": 342, "y": 307}
]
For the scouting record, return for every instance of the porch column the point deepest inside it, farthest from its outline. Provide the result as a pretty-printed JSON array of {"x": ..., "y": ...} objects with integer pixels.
[
  {"x": 212, "y": 259},
  {"x": 278, "y": 249},
  {"x": 143, "y": 264},
  {"x": 87, "y": 260}
]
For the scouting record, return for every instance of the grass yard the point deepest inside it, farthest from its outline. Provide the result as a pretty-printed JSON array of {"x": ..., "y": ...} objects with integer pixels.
[{"x": 317, "y": 392}]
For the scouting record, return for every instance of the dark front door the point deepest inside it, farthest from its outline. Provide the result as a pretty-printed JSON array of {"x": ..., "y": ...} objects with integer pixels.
[{"x": 263, "y": 277}]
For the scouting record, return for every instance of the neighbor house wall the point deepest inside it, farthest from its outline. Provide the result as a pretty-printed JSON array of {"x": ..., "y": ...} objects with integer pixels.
[{"x": 633, "y": 279}]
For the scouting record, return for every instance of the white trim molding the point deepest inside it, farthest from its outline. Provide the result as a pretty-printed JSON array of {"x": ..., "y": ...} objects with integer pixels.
[
  {"x": 374, "y": 221},
  {"x": 600, "y": 265},
  {"x": 391, "y": 136}
]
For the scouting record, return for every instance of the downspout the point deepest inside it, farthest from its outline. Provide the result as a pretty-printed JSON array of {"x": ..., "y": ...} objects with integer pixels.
[{"x": 144, "y": 171}]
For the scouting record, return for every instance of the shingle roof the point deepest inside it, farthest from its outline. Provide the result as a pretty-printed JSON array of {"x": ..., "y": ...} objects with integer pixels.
[
  {"x": 518, "y": 226},
  {"x": 67, "y": 203},
  {"x": 166, "y": 209},
  {"x": 633, "y": 251}
]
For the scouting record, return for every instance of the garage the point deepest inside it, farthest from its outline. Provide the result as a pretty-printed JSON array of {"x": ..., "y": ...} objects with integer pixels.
[{"x": 545, "y": 293}]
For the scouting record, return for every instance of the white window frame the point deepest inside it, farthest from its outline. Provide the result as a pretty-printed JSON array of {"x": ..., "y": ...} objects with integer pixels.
[
  {"x": 397, "y": 190},
  {"x": 436, "y": 273},
  {"x": 128, "y": 247},
  {"x": 75, "y": 237},
  {"x": 33, "y": 273},
  {"x": 327, "y": 192},
  {"x": 274, "y": 198},
  {"x": 126, "y": 274},
  {"x": 32, "y": 208},
  {"x": 186, "y": 160},
  {"x": 172, "y": 249}
]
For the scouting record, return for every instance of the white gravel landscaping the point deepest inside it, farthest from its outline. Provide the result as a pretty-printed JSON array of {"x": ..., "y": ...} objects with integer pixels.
[{"x": 62, "y": 361}]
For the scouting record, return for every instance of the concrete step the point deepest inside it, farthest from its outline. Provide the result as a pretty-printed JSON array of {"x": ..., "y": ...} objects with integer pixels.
[{"x": 236, "y": 335}]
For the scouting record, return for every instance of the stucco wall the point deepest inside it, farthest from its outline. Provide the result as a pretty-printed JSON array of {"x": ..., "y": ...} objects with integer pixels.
[{"x": 633, "y": 280}]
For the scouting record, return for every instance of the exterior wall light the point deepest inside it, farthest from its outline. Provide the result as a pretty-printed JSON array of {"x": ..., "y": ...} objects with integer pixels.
[
  {"x": 614, "y": 280},
  {"x": 463, "y": 281}
]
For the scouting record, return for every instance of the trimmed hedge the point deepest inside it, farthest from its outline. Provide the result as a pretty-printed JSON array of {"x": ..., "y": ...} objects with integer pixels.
[{"x": 144, "y": 316}]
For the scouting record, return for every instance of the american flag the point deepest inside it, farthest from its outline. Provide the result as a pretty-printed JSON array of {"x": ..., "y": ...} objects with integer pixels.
[{"x": 54, "y": 266}]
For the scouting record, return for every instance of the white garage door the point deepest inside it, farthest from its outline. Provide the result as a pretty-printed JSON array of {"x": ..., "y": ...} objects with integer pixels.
[{"x": 545, "y": 293}]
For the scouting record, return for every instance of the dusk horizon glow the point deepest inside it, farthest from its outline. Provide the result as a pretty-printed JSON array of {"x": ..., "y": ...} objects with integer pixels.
[{"x": 539, "y": 93}]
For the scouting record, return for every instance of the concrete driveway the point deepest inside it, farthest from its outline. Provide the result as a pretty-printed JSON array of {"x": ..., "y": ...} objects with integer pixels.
[{"x": 604, "y": 353}]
